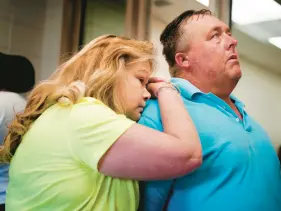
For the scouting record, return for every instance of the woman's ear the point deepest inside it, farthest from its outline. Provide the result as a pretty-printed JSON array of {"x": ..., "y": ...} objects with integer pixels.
[{"x": 182, "y": 60}]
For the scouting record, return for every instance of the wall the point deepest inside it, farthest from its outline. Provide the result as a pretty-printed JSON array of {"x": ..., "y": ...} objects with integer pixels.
[
  {"x": 51, "y": 37},
  {"x": 259, "y": 87},
  {"x": 5, "y": 26},
  {"x": 32, "y": 28},
  {"x": 104, "y": 17},
  {"x": 156, "y": 27}
]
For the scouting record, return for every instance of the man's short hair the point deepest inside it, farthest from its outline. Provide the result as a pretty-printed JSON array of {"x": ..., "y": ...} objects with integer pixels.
[{"x": 171, "y": 35}]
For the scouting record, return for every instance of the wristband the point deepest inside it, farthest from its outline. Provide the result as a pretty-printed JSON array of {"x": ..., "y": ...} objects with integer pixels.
[{"x": 167, "y": 87}]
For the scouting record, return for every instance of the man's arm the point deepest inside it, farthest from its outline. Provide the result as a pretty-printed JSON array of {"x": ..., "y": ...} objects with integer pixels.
[{"x": 153, "y": 194}]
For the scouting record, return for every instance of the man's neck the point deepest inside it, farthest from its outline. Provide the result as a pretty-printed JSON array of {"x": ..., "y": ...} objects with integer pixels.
[{"x": 225, "y": 95}]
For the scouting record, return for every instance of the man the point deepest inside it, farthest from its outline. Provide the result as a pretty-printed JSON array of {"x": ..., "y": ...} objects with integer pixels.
[{"x": 240, "y": 170}]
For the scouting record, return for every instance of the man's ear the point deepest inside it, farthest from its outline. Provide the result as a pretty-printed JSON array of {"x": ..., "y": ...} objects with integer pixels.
[{"x": 182, "y": 60}]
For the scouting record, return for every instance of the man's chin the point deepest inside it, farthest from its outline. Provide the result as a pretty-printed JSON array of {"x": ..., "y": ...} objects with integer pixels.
[{"x": 236, "y": 73}]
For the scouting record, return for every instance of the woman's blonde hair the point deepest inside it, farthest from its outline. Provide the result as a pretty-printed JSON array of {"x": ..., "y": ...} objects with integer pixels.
[{"x": 92, "y": 72}]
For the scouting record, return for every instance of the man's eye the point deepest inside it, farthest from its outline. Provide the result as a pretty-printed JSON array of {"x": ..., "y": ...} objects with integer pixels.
[{"x": 215, "y": 35}]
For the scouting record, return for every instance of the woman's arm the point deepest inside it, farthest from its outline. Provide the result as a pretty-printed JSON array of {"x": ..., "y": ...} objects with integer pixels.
[{"x": 142, "y": 153}]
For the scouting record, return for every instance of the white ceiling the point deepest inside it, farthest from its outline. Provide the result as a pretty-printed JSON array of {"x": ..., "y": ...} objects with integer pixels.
[{"x": 252, "y": 38}]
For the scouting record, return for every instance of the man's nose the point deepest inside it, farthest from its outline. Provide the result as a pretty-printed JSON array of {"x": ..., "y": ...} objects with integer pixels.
[{"x": 231, "y": 42}]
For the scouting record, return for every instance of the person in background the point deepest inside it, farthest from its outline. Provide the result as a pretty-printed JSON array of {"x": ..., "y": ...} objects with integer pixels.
[
  {"x": 17, "y": 76},
  {"x": 240, "y": 169},
  {"x": 77, "y": 145}
]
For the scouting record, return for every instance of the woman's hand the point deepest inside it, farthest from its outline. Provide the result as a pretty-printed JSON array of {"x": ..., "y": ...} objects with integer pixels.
[{"x": 155, "y": 83}]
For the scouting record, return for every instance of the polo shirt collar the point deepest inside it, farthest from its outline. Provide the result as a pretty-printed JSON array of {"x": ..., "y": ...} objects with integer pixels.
[{"x": 188, "y": 90}]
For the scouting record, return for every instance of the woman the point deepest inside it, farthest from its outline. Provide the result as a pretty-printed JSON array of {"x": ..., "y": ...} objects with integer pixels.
[{"x": 77, "y": 146}]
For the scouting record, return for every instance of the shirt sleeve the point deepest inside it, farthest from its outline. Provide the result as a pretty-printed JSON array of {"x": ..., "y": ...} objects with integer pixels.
[
  {"x": 154, "y": 194},
  {"x": 93, "y": 128}
]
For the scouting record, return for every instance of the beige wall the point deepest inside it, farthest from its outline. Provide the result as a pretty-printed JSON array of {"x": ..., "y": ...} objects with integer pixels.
[
  {"x": 32, "y": 28},
  {"x": 104, "y": 17},
  {"x": 156, "y": 27},
  {"x": 259, "y": 87},
  {"x": 51, "y": 37}
]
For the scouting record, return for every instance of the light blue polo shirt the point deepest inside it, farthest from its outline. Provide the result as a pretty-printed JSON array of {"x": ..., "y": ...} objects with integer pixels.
[{"x": 240, "y": 170}]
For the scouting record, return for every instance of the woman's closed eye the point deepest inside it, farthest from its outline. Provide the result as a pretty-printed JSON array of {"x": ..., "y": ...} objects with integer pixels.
[{"x": 143, "y": 81}]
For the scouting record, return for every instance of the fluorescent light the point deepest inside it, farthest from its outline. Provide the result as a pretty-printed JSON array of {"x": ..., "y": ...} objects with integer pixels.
[
  {"x": 275, "y": 41},
  {"x": 204, "y": 2},
  {"x": 254, "y": 11}
]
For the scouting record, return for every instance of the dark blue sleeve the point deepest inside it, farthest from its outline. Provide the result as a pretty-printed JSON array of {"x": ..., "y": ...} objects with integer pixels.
[{"x": 155, "y": 195}]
